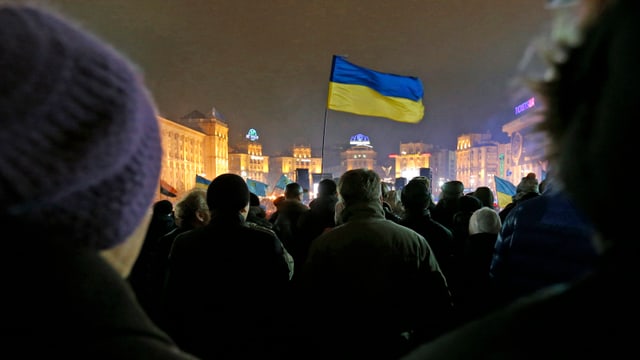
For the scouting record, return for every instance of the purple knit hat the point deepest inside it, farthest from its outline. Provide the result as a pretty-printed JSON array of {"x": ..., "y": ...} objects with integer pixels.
[{"x": 80, "y": 149}]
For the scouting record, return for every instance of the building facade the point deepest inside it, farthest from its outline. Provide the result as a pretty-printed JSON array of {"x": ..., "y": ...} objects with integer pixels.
[
  {"x": 246, "y": 159},
  {"x": 476, "y": 160},
  {"x": 300, "y": 157},
  {"x": 412, "y": 157},
  {"x": 359, "y": 155},
  {"x": 201, "y": 149}
]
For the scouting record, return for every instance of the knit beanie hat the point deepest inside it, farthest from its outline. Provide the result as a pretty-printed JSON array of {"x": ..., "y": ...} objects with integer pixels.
[
  {"x": 484, "y": 220},
  {"x": 415, "y": 195},
  {"x": 227, "y": 193},
  {"x": 80, "y": 149}
]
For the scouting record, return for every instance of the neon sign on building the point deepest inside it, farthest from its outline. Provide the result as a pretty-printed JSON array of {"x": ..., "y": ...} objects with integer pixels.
[
  {"x": 252, "y": 135},
  {"x": 359, "y": 140},
  {"x": 525, "y": 106}
]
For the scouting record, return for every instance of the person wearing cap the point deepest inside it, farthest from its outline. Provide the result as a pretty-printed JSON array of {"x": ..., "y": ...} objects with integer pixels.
[
  {"x": 319, "y": 218},
  {"x": 528, "y": 188},
  {"x": 416, "y": 200},
  {"x": 257, "y": 213},
  {"x": 447, "y": 205},
  {"x": 227, "y": 281},
  {"x": 590, "y": 98},
  {"x": 79, "y": 166},
  {"x": 371, "y": 286},
  {"x": 286, "y": 225}
]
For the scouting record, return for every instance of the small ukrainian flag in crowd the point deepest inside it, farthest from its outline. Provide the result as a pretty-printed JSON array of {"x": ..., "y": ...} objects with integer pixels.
[
  {"x": 202, "y": 182},
  {"x": 504, "y": 191}
]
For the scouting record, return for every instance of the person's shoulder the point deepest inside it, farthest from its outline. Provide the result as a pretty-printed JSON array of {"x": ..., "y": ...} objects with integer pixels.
[
  {"x": 441, "y": 229},
  {"x": 190, "y": 235},
  {"x": 259, "y": 228},
  {"x": 400, "y": 229}
]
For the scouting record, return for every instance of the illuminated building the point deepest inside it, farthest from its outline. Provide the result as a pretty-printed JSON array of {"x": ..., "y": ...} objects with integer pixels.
[
  {"x": 299, "y": 158},
  {"x": 415, "y": 157},
  {"x": 479, "y": 158},
  {"x": 412, "y": 157},
  {"x": 476, "y": 160},
  {"x": 360, "y": 155},
  {"x": 198, "y": 147},
  {"x": 246, "y": 159},
  {"x": 525, "y": 153}
]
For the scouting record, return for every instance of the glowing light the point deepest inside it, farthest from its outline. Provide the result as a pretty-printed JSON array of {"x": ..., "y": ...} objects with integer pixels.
[
  {"x": 359, "y": 139},
  {"x": 525, "y": 105},
  {"x": 252, "y": 135}
]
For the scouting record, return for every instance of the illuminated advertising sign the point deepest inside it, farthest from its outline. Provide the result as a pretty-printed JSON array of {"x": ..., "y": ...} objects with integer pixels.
[
  {"x": 252, "y": 135},
  {"x": 525, "y": 106},
  {"x": 359, "y": 140}
]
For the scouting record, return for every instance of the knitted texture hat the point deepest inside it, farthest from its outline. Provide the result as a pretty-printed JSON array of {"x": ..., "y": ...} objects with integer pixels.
[
  {"x": 80, "y": 149},
  {"x": 484, "y": 220}
]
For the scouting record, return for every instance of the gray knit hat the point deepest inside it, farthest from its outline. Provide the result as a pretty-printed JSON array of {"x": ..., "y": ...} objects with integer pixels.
[{"x": 80, "y": 149}]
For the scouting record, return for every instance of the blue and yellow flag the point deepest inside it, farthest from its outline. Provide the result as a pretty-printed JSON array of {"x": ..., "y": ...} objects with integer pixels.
[
  {"x": 362, "y": 91},
  {"x": 257, "y": 187},
  {"x": 504, "y": 191},
  {"x": 202, "y": 182},
  {"x": 282, "y": 182}
]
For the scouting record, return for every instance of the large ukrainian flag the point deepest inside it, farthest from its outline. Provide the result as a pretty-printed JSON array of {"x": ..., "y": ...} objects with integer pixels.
[{"x": 362, "y": 91}]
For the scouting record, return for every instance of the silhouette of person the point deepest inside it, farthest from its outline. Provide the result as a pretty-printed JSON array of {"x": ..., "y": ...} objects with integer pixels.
[
  {"x": 226, "y": 281},
  {"x": 589, "y": 118},
  {"x": 80, "y": 160}
]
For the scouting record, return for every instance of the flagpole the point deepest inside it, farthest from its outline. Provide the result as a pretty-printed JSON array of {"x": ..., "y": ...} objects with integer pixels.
[
  {"x": 324, "y": 132},
  {"x": 326, "y": 109}
]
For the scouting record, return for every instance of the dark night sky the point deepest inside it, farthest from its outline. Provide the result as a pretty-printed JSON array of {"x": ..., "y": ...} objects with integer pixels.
[{"x": 265, "y": 64}]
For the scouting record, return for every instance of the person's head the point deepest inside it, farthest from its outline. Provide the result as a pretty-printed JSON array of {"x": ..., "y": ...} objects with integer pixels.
[
  {"x": 385, "y": 188},
  {"x": 423, "y": 179},
  {"x": 485, "y": 195},
  {"x": 228, "y": 194},
  {"x": 588, "y": 120},
  {"x": 80, "y": 141},
  {"x": 469, "y": 203},
  {"x": 359, "y": 186},
  {"x": 528, "y": 184},
  {"x": 392, "y": 198},
  {"x": 192, "y": 209},
  {"x": 327, "y": 187},
  {"x": 254, "y": 200},
  {"x": 484, "y": 220},
  {"x": 452, "y": 189},
  {"x": 277, "y": 201},
  {"x": 162, "y": 208},
  {"x": 416, "y": 196},
  {"x": 293, "y": 191}
]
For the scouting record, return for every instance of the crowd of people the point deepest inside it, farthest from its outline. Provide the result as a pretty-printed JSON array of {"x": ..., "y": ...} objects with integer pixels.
[{"x": 96, "y": 270}]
